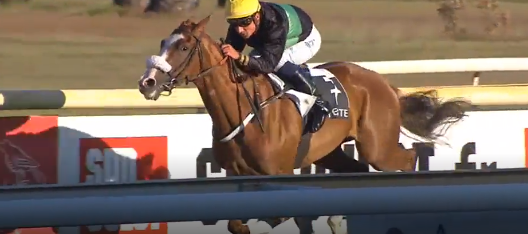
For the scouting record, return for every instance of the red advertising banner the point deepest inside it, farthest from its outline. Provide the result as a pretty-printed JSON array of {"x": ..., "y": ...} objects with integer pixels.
[
  {"x": 124, "y": 160},
  {"x": 29, "y": 155}
]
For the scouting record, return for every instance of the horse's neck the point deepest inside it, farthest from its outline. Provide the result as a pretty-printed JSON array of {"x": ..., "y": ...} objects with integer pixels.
[{"x": 224, "y": 100}]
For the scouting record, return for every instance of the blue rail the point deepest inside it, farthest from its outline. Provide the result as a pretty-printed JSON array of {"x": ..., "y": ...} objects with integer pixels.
[{"x": 274, "y": 201}]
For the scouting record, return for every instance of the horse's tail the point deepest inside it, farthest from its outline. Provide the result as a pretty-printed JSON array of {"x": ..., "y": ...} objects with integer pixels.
[{"x": 422, "y": 113}]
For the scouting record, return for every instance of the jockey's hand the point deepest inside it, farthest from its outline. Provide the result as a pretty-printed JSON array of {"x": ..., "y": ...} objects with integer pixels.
[{"x": 228, "y": 50}]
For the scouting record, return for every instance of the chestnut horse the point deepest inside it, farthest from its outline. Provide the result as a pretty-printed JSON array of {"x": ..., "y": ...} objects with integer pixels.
[{"x": 254, "y": 137}]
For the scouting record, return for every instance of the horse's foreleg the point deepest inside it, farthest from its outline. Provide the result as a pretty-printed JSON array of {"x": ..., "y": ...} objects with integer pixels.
[
  {"x": 260, "y": 227},
  {"x": 237, "y": 227}
]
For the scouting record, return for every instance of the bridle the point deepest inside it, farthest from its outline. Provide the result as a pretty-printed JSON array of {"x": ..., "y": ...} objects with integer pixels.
[{"x": 175, "y": 73}]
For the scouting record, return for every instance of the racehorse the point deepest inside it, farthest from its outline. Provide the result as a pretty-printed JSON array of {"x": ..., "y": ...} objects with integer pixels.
[{"x": 259, "y": 123}]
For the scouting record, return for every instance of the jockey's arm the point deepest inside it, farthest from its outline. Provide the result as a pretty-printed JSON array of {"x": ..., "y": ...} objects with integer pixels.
[
  {"x": 270, "y": 53},
  {"x": 235, "y": 40}
]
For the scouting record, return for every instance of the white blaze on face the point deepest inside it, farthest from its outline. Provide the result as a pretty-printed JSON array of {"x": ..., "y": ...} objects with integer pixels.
[
  {"x": 168, "y": 42},
  {"x": 156, "y": 62}
]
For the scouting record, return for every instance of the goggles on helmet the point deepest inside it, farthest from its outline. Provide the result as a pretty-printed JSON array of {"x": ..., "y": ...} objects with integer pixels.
[{"x": 241, "y": 22}]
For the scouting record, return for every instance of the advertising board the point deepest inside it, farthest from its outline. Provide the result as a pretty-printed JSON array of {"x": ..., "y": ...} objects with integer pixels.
[
  {"x": 28, "y": 155},
  {"x": 488, "y": 222},
  {"x": 128, "y": 148}
]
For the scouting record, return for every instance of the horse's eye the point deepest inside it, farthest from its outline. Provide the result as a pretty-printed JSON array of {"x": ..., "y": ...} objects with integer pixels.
[{"x": 184, "y": 48}]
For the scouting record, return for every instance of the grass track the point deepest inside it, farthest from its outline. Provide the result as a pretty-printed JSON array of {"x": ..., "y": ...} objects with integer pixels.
[{"x": 78, "y": 44}]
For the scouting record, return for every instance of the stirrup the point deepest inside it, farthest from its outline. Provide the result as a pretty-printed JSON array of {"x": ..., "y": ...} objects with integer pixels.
[
  {"x": 317, "y": 122},
  {"x": 323, "y": 104}
]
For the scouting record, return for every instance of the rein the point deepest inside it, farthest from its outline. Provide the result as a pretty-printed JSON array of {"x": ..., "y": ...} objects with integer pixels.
[{"x": 175, "y": 73}]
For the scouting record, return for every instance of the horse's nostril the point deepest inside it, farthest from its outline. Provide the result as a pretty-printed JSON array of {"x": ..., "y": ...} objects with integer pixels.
[{"x": 149, "y": 82}]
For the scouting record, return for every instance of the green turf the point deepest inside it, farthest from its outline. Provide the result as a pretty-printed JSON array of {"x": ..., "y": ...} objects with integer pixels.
[{"x": 79, "y": 44}]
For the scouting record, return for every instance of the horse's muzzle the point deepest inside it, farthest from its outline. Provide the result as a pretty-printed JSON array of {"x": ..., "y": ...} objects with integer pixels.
[
  {"x": 149, "y": 89},
  {"x": 148, "y": 82}
]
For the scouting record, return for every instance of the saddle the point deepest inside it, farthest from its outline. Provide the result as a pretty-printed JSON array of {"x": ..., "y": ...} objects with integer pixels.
[{"x": 329, "y": 88}]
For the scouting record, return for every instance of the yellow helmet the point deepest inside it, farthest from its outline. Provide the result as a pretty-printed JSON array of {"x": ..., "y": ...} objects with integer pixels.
[{"x": 241, "y": 8}]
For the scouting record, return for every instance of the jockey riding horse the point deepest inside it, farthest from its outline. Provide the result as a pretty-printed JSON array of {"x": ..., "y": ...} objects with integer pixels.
[
  {"x": 283, "y": 37},
  {"x": 365, "y": 107}
]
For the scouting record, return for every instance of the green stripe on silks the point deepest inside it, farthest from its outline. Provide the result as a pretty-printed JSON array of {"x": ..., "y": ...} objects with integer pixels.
[{"x": 294, "y": 23}]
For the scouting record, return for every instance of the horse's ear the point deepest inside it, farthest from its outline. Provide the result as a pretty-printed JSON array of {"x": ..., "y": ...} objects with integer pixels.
[
  {"x": 187, "y": 22},
  {"x": 200, "y": 27}
]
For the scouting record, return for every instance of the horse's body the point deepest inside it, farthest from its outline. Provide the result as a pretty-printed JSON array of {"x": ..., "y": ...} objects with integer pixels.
[
  {"x": 283, "y": 128},
  {"x": 376, "y": 111}
]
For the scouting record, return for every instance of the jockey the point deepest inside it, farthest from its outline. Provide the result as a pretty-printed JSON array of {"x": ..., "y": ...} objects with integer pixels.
[{"x": 283, "y": 37}]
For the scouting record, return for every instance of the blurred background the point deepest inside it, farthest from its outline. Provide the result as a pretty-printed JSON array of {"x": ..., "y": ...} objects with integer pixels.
[{"x": 102, "y": 44}]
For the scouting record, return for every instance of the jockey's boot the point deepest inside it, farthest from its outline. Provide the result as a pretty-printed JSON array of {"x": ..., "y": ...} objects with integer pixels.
[{"x": 301, "y": 78}]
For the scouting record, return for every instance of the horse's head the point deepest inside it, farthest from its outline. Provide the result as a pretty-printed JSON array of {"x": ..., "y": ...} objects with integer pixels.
[{"x": 181, "y": 58}]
